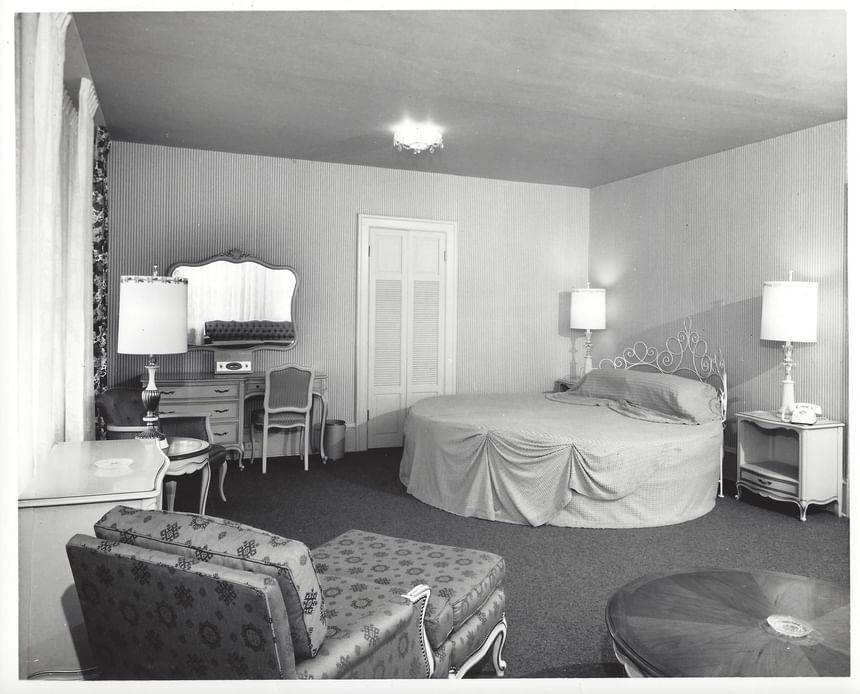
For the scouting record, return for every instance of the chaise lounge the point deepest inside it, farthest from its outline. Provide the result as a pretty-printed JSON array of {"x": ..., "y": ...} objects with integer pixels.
[{"x": 171, "y": 595}]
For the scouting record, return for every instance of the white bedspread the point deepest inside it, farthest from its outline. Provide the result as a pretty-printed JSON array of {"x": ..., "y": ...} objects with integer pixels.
[{"x": 527, "y": 458}]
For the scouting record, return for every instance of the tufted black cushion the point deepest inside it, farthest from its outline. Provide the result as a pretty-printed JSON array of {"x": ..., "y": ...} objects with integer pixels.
[{"x": 239, "y": 330}]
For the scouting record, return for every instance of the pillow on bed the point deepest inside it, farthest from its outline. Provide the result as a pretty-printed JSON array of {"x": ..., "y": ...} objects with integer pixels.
[{"x": 682, "y": 397}]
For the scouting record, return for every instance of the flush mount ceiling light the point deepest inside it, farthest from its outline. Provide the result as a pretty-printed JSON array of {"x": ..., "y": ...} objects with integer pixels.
[{"x": 418, "y": 137}]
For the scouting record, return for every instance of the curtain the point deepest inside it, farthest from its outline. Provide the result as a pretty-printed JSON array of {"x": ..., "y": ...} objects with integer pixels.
[
  {"x": 54, "y": 241},
  {"x": 100, "y": 268}
]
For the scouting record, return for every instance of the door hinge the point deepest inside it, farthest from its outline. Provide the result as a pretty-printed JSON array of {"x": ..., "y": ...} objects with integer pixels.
[
  {"x": 444, "y": 256},
  {"x": 368, "y": 251},
  {"x": 368, "y": 415}
]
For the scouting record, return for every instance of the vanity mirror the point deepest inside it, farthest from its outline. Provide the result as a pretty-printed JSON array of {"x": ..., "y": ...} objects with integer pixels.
[{"x": 236, "y": 300}]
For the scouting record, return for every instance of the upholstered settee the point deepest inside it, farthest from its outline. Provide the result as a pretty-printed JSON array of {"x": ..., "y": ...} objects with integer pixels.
[
  {"x": 466, "y": 610},
  {"x": 178, "y": 595},
  {"x": 227, "y": 332}
]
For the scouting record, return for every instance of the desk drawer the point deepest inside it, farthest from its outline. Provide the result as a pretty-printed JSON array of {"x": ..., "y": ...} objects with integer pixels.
[
  {"x": 255, "y": 388},
  {"x": 215, "y": 410},
  {"x": 225, "y": 432},
  {"x": 199, "y": 391}
]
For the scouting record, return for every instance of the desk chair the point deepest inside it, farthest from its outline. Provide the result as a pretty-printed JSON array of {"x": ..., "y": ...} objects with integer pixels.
[
  {"x": 122, "y": 411},
  {"x": 287, "y": 405}
]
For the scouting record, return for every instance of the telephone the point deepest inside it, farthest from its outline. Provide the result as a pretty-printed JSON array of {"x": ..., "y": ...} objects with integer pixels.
[{"x": 801, "y": 413}]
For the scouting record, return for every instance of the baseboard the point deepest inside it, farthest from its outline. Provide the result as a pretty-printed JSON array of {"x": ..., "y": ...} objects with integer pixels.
[{"x": 351, "y": 437}]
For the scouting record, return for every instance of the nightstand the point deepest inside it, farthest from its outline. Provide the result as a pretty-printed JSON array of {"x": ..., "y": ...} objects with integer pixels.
[{"x": 801, "y": 463}]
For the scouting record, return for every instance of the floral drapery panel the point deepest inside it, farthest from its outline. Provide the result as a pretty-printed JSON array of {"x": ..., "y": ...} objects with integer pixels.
[{"x": 100, "y": 267}]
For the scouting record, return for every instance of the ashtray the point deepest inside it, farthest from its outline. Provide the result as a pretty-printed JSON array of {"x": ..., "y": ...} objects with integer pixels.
[
  {"x": 789, "y": 626},
  {"x": 113, "y": 463}
]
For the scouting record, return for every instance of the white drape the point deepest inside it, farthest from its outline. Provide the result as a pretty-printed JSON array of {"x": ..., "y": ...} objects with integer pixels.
[{"x": 54, "y": 244}]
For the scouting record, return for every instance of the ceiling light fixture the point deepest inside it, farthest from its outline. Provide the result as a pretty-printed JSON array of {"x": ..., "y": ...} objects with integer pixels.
[{"x": 418, "y": 137}]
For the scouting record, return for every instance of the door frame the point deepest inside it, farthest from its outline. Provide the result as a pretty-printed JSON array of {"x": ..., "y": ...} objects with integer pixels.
[{"x": 362, "y": 376}]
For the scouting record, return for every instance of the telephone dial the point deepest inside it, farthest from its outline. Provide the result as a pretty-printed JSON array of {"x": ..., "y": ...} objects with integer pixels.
[{"x": 801, "y": 413}]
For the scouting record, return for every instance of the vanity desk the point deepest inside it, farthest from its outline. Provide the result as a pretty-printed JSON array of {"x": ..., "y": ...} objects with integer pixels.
[
  {"x": 240, "y": 311},
  {"x": 224, "y": 398}
]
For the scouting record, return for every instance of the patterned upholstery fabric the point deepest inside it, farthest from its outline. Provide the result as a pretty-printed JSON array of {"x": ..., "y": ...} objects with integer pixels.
[
  {"x": 461, "y": 579},
  {"x": 149, "y": 615},
  {"x": 243, "y": 330},
  {"x": 236, "y": 546},
  {"x": 473, "y": 632},
  {"x": 372, "y": 632}
]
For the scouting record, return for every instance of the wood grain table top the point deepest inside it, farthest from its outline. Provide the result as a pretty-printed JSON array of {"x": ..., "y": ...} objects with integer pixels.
[{"x": 732, "y": 623}]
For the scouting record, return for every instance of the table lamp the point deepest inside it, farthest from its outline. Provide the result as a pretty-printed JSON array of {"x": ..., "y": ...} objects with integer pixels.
[
  {"x": 153, "y": 315},
  {"x": 789, "y": 313},
  {"x": 587, "y": 312}
]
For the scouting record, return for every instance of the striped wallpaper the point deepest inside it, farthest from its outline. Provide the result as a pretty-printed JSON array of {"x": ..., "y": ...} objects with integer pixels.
[
  {"x": 695, "y": 239},
  {"x": 521, "y": 247},
  {"x": 699, "y": 239}
]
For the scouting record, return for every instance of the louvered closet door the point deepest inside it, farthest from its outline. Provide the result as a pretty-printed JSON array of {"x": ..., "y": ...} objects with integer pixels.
[
  {"x": 405, "y": 327},
  {"x": 426, "y": 300}
]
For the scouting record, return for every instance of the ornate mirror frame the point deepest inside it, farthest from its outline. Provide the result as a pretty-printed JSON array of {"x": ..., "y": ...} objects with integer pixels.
[{"x": 252, "y": 334}]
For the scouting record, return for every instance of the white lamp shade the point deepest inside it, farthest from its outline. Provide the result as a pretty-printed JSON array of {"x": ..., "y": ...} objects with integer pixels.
[
  {"x": 587, "y": 309},
  {"x": 153, "y": 315},
  {"x": 789, "y": 311}
]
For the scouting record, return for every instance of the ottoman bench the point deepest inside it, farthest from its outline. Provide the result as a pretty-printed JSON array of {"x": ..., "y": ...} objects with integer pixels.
[{"x": 465, "y": 614}]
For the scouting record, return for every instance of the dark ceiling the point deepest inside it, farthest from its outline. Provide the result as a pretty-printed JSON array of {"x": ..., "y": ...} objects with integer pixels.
[{"x": 574, "y": 97}]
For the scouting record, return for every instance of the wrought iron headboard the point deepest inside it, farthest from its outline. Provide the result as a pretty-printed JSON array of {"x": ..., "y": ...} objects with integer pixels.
[{"x": 685, "y": 354}]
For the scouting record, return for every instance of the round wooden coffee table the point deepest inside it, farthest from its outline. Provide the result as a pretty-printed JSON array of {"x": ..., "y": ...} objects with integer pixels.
[{"x": 730, "y": 623}]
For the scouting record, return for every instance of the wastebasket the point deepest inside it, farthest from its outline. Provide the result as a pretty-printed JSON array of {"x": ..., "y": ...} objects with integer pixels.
[{"x": 335, "y": 438}]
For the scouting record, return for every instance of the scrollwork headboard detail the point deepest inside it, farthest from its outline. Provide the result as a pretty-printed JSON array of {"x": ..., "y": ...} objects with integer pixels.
[{"x": 685, "y": 354}]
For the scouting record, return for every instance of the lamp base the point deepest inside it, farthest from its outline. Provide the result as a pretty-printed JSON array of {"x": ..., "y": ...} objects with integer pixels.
[
  {"x": 151, "y": 398},
  {"x": 589, "y": 365},
  {"x": 786, "y": 402},
  {"x": 151, "y": 431}
]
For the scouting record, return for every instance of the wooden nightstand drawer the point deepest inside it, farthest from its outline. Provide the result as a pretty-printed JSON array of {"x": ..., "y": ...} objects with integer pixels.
[{"x": 768, "y": 479}]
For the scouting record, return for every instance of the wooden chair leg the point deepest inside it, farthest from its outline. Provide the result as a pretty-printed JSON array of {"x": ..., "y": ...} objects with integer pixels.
[
  {"x": 306, "y": 439},
  {"x": 265, "y": 447}
]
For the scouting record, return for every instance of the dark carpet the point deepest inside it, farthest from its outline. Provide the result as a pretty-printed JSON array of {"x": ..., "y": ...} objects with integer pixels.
[{"x": 558, "y": 579}]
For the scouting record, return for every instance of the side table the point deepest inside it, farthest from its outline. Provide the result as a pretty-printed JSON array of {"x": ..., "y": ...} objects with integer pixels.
[
  {"x": 801, "y": 463},
  {"x": 186, "y": 456},
  {"x": 71, "y": 490},
  {"x": 731, "y": 623}
]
